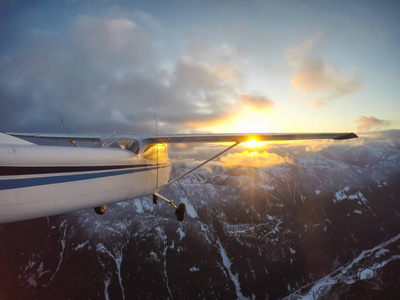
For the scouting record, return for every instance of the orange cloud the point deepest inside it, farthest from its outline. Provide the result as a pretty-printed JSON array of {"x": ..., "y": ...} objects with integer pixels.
[
  {"x": 255, "y": 101},
  {"x": 253, "y": 159},
  {"x": 247, "y": 114}
]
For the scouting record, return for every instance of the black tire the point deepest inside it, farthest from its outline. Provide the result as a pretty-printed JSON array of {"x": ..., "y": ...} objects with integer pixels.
[
  {"x": 180, "y": 212},
  {"x": 155, "y": 199},
  {"x": 100, "y": 210}
]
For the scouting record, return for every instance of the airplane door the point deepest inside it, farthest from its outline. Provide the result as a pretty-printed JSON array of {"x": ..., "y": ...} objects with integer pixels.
[
  {"x": 163, "y": 165},
  {"x": 157, "y": 163}
]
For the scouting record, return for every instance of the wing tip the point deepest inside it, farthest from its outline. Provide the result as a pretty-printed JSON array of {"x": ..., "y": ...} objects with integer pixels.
[{"x": 346, "y": 136}]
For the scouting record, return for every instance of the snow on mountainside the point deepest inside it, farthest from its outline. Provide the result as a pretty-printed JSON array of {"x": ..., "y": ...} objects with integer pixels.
[
  {"x": 363, "y": 277},
  {"x": 324, "y": 225}
]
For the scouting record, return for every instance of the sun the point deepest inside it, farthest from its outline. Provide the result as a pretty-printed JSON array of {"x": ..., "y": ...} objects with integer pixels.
[{"x": 252, "y": 143}]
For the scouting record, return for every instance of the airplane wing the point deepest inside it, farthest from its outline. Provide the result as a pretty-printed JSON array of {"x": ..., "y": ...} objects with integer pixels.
[
  {"x": 196, "y": 138},
  {"x": 58, "y": 136},
  {"x": 244, "y": 137}
]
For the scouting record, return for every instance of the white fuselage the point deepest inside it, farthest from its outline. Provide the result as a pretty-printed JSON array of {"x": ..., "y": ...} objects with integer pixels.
[{"x": 37, "y": 181}]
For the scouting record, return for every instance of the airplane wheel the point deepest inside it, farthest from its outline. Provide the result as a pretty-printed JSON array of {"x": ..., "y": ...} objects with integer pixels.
[
  {"x": 180, "y": 212},
  {"x": 155, "y": 199},
  {"x": 100, "y": 210}
]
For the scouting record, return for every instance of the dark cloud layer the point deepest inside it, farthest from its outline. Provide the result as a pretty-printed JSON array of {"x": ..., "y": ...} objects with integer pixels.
[{"x": 99, "y": 64}]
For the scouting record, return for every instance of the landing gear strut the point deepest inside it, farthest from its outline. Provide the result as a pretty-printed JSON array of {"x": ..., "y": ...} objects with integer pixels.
[{"x": 179, "y": 211}]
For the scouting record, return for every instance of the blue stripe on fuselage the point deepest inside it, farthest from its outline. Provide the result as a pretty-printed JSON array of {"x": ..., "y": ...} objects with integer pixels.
[{"x": 17, "y": 183}]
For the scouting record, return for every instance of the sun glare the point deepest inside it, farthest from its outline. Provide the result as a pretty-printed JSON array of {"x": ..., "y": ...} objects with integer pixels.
[
  {"x": 250, "y": 121},
  {"x": 253, "y": 144}
]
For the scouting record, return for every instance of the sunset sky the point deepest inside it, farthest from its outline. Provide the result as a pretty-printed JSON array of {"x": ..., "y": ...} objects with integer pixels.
[{"x": 204, "y": 66}]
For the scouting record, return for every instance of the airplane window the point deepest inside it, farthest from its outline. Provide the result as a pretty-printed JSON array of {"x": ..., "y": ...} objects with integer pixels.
[
  {"x": 127, "y": 144},
  {"x": 104, "y": 143},
  {"x": 150, "y": 152},
  {"x": 134, "y": 147}
]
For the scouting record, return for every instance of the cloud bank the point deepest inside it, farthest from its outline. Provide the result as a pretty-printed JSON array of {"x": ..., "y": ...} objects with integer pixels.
[
  {"x": 253, "y": 159},
  {"x": 371, "y": 123},
  {"x": 113, "y": 64}
]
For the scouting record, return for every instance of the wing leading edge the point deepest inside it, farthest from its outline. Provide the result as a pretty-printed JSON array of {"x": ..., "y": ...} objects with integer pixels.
[
  {"x": 197, "y": 138},
  {"x": 58, "y": 136},
  {"x": 245, "y": 137}
]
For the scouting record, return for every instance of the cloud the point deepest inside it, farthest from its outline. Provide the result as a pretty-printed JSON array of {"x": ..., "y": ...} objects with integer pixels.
[
  {"x": 255, "y": 101},
  {"x": 198, "y": 92},
  {"x": 114, "y": 62},
  {"x": 371, "y": 123},
  {"x": 243, "y": 113},
  {"x": 108, "y": 63},
  {"x": 315, "y": 76},
  {"x": 253, "y": 159},
  {"x": 118, "y": 44},
  {"x": 72, "y": 72}
]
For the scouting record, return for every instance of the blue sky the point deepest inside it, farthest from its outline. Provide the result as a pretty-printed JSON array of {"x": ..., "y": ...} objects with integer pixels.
[{"x": 219, "y": 66}]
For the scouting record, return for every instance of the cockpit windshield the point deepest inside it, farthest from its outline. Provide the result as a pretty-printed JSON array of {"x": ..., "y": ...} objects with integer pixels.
[
  {"x": 123, "y": 143},
  {"x": 156, "y": 152}
]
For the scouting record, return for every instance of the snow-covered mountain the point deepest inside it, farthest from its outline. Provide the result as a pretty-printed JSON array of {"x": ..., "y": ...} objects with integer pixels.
[
  {"x": 371, "y": 275},
  {"x": 323, "y": 224}
]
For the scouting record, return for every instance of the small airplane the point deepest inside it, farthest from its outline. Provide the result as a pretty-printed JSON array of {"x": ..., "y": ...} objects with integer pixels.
[{"x": 39, "y": 181}]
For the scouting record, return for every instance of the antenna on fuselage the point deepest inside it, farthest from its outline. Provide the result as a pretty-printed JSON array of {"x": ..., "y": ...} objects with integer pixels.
[
  {"x": 71, "y": 140},
  {"x": 111, "y": 121},
  {"x": 155, "y": 117}
]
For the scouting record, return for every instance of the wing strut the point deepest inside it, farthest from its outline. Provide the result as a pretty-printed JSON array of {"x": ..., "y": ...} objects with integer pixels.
[
  {"x": 180, "y": 210},
  {"x": 202, "y": 164}
]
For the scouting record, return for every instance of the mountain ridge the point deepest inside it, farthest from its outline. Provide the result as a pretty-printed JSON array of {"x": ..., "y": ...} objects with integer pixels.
[{"x": 249, "y": 233}]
